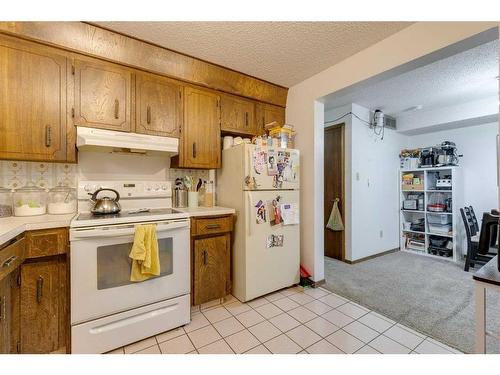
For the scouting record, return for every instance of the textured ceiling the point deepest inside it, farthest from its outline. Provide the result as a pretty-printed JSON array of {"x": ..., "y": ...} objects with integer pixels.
[
  {"x": 461, "y": 78},
  {"x": 284, "y": 53}
]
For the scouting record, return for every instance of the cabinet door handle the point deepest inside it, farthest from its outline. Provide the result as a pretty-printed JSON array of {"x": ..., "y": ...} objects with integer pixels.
[
  {"x": 3, "y": 310},
  {"x": 246, "y": 119},
  {"x": 148, "y": 115},
  {"x": 39, "y": 289},
  {"x": 117, "y": 109},
  {"x": 9, "y": 261},
  {"x": 205, "y": 257},
  {"x": 212, "y": 226},
  {"x": 48, "y": 136},
  {"x": 194, "y": 150}
]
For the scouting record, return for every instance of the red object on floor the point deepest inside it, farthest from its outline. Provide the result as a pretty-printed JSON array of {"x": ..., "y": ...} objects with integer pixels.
[{"x": 304, "y": 272}]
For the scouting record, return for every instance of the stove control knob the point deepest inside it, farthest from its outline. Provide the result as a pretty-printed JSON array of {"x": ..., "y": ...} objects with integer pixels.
[
  {"x": 148, "y": 187},
  {"x": 163, "y": 187},
  {"x": 156, "y": 187},
  {"x": 87, "y": 188}
]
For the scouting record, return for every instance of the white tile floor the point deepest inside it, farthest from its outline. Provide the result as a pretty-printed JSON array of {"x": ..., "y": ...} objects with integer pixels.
[{"x": 294, "y": 320}]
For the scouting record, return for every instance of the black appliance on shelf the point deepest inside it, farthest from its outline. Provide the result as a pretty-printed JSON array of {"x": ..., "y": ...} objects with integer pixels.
[
  {"x": 441, "y": 246},
  {"x": 428, "y": 157}
]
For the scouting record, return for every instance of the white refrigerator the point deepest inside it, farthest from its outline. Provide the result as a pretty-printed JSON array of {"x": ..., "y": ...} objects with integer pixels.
[{"x": 262, "y": 185}]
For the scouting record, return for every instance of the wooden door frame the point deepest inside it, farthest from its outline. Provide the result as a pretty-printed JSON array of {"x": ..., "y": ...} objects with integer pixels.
[{"x": 342, "y": 174}]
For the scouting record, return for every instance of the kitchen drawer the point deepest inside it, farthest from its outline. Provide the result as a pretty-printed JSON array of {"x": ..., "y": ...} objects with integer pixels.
[
  {"x": 11, "y": 256},
  {"x": 211, "y": 225},
  {"x": 46, "y": 242}
]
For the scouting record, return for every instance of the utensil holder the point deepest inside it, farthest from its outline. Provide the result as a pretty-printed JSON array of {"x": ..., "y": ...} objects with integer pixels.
[{"x": 192, "y": 199}]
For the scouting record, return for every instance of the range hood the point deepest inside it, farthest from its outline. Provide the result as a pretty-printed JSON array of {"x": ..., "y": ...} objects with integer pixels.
[{"x": 113, "y": 141}]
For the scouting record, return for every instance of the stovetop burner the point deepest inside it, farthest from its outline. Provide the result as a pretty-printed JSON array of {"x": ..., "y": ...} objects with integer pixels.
[{"x": 127, "y": 214}]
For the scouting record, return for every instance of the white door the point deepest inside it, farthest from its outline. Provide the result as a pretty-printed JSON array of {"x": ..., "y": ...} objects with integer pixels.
[
  {"x": 100, "y": 269},
  {"x": 272, "y": 251},
  {"x": 284, "y": 162}
]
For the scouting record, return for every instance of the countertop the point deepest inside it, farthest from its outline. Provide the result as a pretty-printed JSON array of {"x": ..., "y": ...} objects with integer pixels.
[
  {"x": 206, "y": 211},
  {"x": 12, "y": 226}
]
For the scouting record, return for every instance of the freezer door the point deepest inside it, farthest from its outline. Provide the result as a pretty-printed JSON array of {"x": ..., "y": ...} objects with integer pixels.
[
  {"x": 272, "y": 252},
  {"x": 256, "y": 166}
]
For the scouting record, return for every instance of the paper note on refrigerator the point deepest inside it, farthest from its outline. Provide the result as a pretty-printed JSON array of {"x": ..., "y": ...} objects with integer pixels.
[
  {"x": 259, "y": 161},
  {"x": 272, "y": 163},
  {"x": 275, "y": 240},
  {"x": 290, "y": 213}
]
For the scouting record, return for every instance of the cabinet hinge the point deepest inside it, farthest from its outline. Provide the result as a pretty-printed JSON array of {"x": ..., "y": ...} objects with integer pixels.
[
  {"x": 19, "y": 279},
  {"x": 18, "y": 347},
  {"x": 180, "y": 94},
  {"x": 73, "y": 112},
  {"x": 73, "y": 69}
]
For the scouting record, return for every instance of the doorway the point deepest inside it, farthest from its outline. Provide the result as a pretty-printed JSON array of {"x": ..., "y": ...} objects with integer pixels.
[{"x": 334, "y": 188}]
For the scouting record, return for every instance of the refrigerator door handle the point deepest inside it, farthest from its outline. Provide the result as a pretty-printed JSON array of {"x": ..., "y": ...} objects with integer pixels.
[
  {"x": 249, "y": 213},
  {"x": 249, "y": 158}
]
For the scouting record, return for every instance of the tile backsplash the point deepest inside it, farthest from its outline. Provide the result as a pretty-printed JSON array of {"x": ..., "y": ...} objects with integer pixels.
[
  {"x": 196, "y": 173},
  {"x": 16, "y": 174}
]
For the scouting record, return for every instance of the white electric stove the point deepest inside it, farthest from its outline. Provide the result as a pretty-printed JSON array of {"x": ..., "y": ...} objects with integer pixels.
[{"x": 107, "y": 309}]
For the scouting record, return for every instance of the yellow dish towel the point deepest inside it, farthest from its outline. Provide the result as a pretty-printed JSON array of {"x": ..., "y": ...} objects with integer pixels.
[{"x": 145, "y": 254}]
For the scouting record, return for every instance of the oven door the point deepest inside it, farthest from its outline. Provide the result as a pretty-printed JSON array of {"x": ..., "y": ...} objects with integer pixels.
[{"x": 100, "y": 269}]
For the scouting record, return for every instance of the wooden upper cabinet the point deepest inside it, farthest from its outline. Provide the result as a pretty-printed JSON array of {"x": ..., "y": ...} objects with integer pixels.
[
  {"x": 158, "y": 105},
  {"x": 267, "y": 113},
  {"x": 103, "y": 95},
  {"x": 238, "y": 115},
  {"x": 201, "y": 131},
  {"x": 33, "y": 117}
]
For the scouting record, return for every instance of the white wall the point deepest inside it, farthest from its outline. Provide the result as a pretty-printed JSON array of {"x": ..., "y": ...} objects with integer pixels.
[
  {"x": 121, "y": 166},
  {"x": 116, "y": 166},
  {"x": 479, "y": 163},
  {"x": 371, "y": 184},
  {"x": 375, "y": 207},
  {"x": 305, "y": 111}
]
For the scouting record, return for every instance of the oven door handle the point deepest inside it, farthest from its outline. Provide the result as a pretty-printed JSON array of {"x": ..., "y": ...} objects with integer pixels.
[{"x": 126, "y": 230}]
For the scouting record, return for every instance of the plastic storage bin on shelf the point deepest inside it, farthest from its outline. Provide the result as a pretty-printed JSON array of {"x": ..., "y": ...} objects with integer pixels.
[
  {"x": 30, "y": 200},
  {"x": 440, "y": 219}
]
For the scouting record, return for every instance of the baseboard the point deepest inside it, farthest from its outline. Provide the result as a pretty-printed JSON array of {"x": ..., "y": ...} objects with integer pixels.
[
  {"x": 318, "y": 283},
  {"x": 372, "y": 256}
]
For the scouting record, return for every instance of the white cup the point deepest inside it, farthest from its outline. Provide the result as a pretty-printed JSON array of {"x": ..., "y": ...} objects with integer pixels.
[
  {"x": 227, "y": 142},
  {"x": 192, "y": 199}
]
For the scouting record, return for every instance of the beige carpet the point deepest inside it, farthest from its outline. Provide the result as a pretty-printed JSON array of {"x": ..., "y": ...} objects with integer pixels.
[{"x": 435, "y": 297}]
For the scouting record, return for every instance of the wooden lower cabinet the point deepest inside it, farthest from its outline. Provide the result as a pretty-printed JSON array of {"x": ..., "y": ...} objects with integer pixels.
[
  {"x": 211, "y": 265},
  {"x": 5, "y": 315},
  {"x": 211, "y": 259},
  {"x": 34, "y": 296},
  {"x": 42, "y": 290}
]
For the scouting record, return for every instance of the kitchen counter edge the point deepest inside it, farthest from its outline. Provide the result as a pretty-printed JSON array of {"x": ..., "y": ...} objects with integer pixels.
[{"x": 12, "y": 226}]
